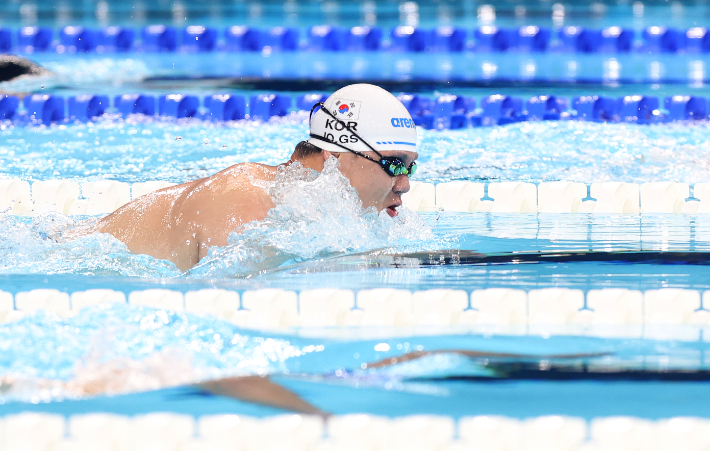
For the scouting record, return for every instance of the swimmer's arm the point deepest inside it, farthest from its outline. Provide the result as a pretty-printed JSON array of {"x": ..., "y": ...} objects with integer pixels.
[
  {"x": 260, "y": 390},
  {"x": 472, "y": 354}
]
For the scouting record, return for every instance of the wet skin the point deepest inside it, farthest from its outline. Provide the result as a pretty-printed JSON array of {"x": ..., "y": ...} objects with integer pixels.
[{"x": 181, "y": 223}]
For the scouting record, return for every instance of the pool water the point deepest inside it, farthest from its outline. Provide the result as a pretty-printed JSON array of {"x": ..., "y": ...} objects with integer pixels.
[{"x": 319, "y": 236}]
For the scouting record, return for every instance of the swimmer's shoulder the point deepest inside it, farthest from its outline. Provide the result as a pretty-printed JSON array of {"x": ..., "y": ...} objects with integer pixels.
[{"x": 238, "y": 189}]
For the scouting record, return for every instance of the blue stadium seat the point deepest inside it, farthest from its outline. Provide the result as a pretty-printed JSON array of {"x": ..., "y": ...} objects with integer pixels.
[
  {"x": 34, "y": 39},
  {"x": 264, "y": 106},
  {"x": 159, "y": 38},
  {"x": 44, "y": 108},
  {"x": 117, "y": 39},
  {"x": 198, "y": 38},
  {"x": 135, "y": 104},
  {"x": 225, "y": 107},
  {"x": 87, "y": 106},
  {"x": 683, "y": 108},
  {"x": 595, "y": 108}
]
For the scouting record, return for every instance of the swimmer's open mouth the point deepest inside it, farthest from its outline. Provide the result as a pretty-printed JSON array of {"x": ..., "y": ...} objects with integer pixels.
[{"x": 392, "y": 210}]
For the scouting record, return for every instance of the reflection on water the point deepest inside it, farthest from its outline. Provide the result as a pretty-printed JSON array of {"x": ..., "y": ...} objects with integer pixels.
[{"x": 127, "y": 348}]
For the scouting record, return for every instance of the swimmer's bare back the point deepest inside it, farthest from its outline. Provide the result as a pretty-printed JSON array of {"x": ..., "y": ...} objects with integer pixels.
[{"x": 180, "y": 223}]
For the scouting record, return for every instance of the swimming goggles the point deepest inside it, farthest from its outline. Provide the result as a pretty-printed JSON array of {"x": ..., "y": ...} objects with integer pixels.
[{"x": 391, "y": 165}]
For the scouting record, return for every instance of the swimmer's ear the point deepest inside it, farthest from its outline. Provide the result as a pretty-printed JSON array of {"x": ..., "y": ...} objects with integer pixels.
[{"x": 327, "y": 154}]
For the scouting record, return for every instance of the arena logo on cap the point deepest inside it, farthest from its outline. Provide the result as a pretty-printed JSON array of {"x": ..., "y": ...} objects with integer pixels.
[
  {"x": 347, "y": 109},
  {"x": 402, "y": 122}
]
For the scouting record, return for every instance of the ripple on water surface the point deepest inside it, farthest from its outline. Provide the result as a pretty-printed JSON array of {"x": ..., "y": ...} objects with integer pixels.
[{"x": 143, "y": 149}]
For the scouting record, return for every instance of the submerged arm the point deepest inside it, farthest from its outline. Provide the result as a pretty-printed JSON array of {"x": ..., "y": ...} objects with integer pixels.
[{"x": 260, "y": 390}]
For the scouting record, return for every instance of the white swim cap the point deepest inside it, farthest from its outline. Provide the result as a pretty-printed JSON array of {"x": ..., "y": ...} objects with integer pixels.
[{"x": 373, "y": 113}]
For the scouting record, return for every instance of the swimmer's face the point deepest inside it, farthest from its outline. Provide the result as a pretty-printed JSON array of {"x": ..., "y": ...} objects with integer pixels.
[{"x": 374, "y": 186}]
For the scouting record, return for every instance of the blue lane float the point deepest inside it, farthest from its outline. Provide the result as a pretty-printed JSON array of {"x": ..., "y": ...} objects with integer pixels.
[
  {"x": 264, "y": 106},
  {"x": 447, "y": 111},
  {"x": 617, "y": 39},
  {"x": 500, "y": 110},
  {"x": 306, "y": 101},
  {"x": 684, "y": 108},
  {"x": 594, "y": 108},
  {"x": 546, "y": 108},
  {"x": 450, "y": 39},
  {"x": 5, "y": 40},
  {"x": 533, "y": 39},
  {"x": 34, "y": 39},
  {"x": 420, "y": 108},
  {"x": 410, "y": 39},
  {"x": 44, "y": 108},
  {"x": 494, "y": 39},
  {"x": 198, "y": 38},
  {"x": 244, "y": 39},
  {"x": 638, "y": 109},
  {"x": 159, "y": 38},
  {"x": 8, "y": 107},
  {"x": 117, "y": 39},
  {"x": 327, "y": 38},
  {"x": 87, "y": 107},
  {"x": 663, "y": 40},
  {"x": 526, "y": 39},
  {"x": 284, "y": 39},
  {"x": 178, "y": 106},
  {"x": 128, "y": 104},
  {"x": 451, "y": 111},
  {"x": 78, "y": 39},
  {"x": 697, "y": 40},
  {"x": 367, "y": 39},
  {"x": 225, "y": 107}
]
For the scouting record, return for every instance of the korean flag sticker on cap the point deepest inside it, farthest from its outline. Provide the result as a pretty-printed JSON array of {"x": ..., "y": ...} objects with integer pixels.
[{"x": 346, "y": 109}]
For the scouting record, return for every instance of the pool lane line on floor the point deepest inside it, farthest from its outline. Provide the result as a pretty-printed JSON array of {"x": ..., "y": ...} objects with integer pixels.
[{"x": 464, "y": 257}]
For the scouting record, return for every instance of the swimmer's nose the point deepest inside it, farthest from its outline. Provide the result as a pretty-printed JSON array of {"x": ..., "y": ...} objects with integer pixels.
[{"x": 401, "y": 184}]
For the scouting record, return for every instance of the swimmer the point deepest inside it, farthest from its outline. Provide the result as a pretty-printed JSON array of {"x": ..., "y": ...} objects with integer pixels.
[
  {"x": 13, "y": 67},
  {"x": 364, "y": 127},
  {"x": 167, "y": 368}
]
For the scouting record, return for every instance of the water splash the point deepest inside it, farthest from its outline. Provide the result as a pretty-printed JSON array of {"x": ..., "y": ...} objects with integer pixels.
[
  {"x": 317, "y": 215},
  {"x": 80, "y": 73},
  {"x": 120, "y": 348},
  {"x": 36, "y": 246}
]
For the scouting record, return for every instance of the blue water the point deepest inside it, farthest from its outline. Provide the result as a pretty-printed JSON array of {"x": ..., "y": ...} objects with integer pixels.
[
  {"x": 167, "y": 349},
  {"x": 154, "y": 149}
]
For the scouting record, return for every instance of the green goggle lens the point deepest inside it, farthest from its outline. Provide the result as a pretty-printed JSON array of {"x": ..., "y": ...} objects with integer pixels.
[{"x": 396, "y": 167}]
